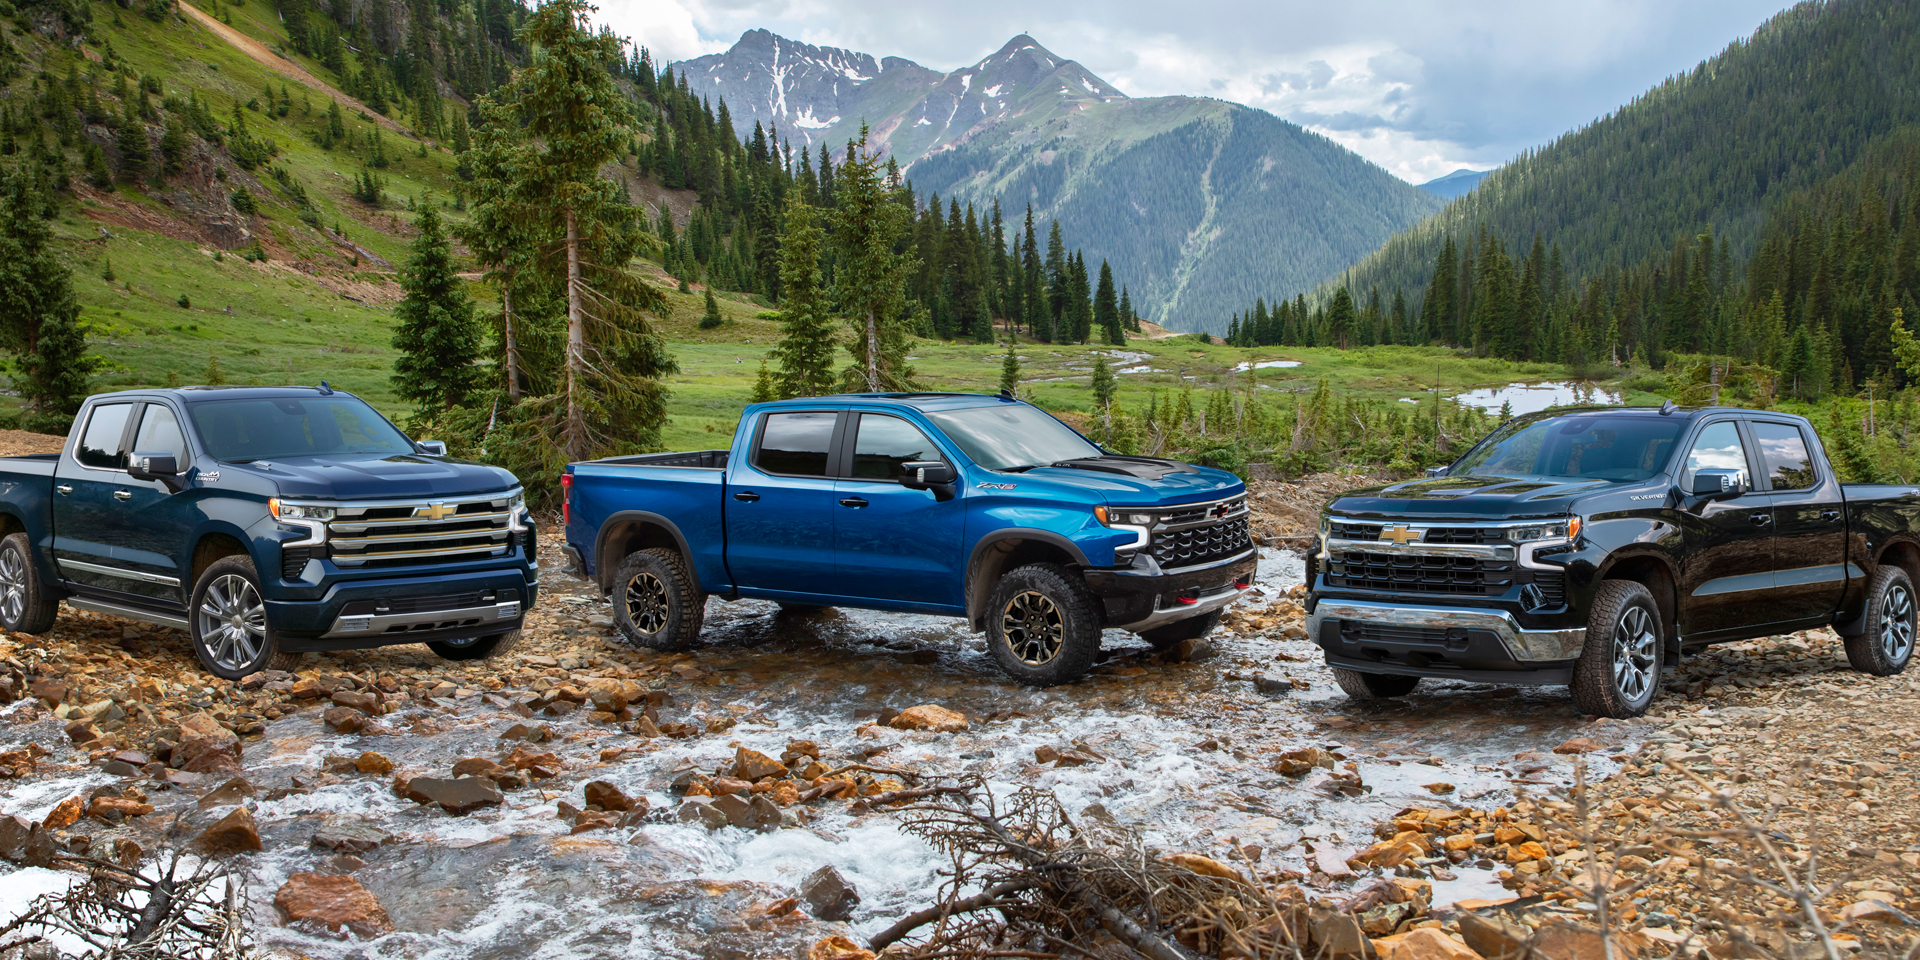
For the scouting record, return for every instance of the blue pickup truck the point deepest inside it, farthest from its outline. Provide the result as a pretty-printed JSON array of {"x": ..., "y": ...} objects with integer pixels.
[
  {"x": 953, "y": 504},
  {"x": 265, "y": 521}
]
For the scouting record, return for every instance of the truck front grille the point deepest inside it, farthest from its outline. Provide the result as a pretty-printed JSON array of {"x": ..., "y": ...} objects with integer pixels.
[
  {"x": 399, "y": 533},
  {"x": 1418, "y": 573},
  {"x": 1349, "y": 530},
  {"x": 1194, "y": 545}
]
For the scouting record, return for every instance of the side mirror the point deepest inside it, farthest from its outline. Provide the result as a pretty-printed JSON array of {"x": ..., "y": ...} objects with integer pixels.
[
  {"x": 1718, "y": 484},
  {"x": 160, "y": 465},
  {"x": 1435, "y": 473},
  {"x": 436, "y": 448},
  {"x": 935, "y": 475}
]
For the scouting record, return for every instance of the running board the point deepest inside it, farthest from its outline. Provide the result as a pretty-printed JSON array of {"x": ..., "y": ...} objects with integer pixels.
[{"x": 131, "y": 613}]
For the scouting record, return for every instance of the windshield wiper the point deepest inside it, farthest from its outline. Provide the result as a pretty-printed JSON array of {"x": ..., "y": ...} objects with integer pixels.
[{"x": 1022, "y": 469}]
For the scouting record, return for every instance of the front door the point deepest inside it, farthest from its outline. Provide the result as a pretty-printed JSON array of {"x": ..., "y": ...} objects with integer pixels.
[
  {"x": 92, "y": 501},
  {"x": 1809, "y": 525},
  {"x": 892, "y": 543},
  {"x": 1727, "y": 574},
  {"x": 157, "y": 547},
  {"x": 779, "y": 508}
]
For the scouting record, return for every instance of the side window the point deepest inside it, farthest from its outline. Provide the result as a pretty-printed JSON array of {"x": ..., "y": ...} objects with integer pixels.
[
  {"x": 1717, "y": 448},
  {"x": 1783, "y": 454},
  {"x": 160, "y": 431},
  {"x": 795, "y": 444},
  {"x": 885, "y": 443},
  {"x": 100, "y": 445}
]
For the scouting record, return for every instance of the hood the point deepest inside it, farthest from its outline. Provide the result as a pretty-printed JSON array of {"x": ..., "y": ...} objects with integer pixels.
[
  {"x": 1136, "y": 487},
  {"x": 1469, "y": 498},
  {"x": 380, "y": 477}
]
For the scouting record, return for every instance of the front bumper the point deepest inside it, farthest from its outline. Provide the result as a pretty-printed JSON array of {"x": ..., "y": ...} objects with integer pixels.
[
  {"x": 1469, "y": 643},
  {"x": 358, "y": 614},
  {"x": 1143, "y": 595}
]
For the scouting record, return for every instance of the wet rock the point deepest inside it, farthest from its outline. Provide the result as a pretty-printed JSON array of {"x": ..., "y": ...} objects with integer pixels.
[
  {"x": 1272, "y": 686},
  {"x": 206, "y": 747},
  {"x": 798, "y": 749},
  {"x": 229, "y": 793},
  {"x": 751, "y": 765},
  {"x": 606, "y": 796},
  {"x": 1204, "y": 866},
  {"x": 1338, "y": 936},
  {"x": 1578, "y": 745},
  {"x": 838, "y": 948},
  {"x": 331, "y": 905},
  {"x": 65, "y": 814},
  {"x": 234, "y": 833},
  {"x": 1493, "y": 938},
  {"x": 133, "y": 758},
  {"x": 370, "y": 762},
  {"x": 26, "y": 843},
  {"x": 81, "y": 732},
  {"x": 532, "y": 733},
  {"x": 366, "y": 703},
  {"x": 117, "y": 809},
  {"x": 1189, "y": 651},
  {"x": 353, "y": 836},
  {"x": 1297, "y": 763},
  {"x": 722, "y": 786},
  {"x": 607, "y": 696},
  {"x": 536, "y": 765},
  {"x": 701, "y": 810},
  {"x": 929, "y": 717},
  {"x": 1425, "y": 943},
  {"x": 645, "y": 727},
  {"x": 116, "y": 768},
  {"x": 828, "y": 895},
  {"x": 759, "y": 813},
  {"x": 49, "y": 691},
  {"x": 1564, "y": 940},
  {"x": 343, "y": 719},
  {"x": 457, "y": 795}
]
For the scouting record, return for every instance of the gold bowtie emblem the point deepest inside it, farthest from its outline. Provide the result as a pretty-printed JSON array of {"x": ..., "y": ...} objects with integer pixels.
[
  {"x": 435, "y": 511},
  {"x": 1401, "y": 535}
]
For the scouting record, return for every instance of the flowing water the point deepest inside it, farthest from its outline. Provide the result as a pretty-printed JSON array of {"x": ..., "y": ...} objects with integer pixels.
[
  {"x": 1185, "y": 758},
  {"x": 1535, "y": 397}
]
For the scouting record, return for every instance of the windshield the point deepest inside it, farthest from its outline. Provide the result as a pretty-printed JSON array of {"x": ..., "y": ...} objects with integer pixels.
[
  {"x": 1601, "y": 447},
  {"x": 1012, "y": 436},
  {"x": 241, "y": 431}
]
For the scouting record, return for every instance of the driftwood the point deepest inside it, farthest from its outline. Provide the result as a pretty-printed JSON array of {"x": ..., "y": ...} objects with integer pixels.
[{"x": 162, "y": 908}]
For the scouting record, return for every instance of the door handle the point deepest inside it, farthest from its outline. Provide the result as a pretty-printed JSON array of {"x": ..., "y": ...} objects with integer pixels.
[
  {"x": 853, "y": 502},
  {"x": 746, "y": 496},
  {"x": 123, "y": 495},
  {"x": 1760, "y": 519},
  {"x": 1829, "y": 515},
  {"x": 63, "y": 489}
]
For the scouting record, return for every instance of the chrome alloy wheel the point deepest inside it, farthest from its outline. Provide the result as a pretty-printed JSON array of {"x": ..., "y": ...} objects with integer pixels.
[
  {"x": 647, "y": 603},
  {"x": 1033, "y": 628},
  {"x": 1896, "y": 618},
  {"x": 13, "y": 585},
  {"x": 233, "y": 622},
  {"x": 1636, "y": 654}
]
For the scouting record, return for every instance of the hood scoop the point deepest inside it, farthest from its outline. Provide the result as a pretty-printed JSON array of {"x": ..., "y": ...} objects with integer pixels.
[{"x": 1140, "y": 468}]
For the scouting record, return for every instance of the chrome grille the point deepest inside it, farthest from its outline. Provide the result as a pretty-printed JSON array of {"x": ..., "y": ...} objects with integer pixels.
[
  {"x": 400, "y": 532},
  {"x": 1419, "y": 573}
]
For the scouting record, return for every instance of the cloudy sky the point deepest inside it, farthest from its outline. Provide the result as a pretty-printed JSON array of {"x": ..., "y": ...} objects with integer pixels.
[{"x": 1420, "y": 88}]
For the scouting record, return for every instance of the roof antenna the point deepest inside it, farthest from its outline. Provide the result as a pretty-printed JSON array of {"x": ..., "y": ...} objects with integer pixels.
[
  {"x": 1667, "y": 409},
  {"x": 327, "y": 391},
  {"x": 1006, "y": 394}
]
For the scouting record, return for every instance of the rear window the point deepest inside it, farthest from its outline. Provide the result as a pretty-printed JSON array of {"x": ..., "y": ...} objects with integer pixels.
[
  {"x": 242, "y": 431},
  {"x": 795, "y": 444},
  {"x": 1603, "y": 447},
  {"x": 1783, "y": 454}
]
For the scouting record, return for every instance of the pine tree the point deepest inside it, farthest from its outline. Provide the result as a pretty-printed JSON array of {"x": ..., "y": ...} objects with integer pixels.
[
  {"x": 1106, "y": 310},
  {"x": 806, "y": 347},
  {"x": 132, "y": 144},
  {"x": 712, "y": 317},
  {"x": 213, "y": 375},
  {"x": 1010, "y": 369},
  {"x": 39, "y": 314},
  {"x": 438, "y": 339},
  {"x": 871, "y": 277},
  {"x": 1103, "y": 389},
  {"x": 763, "y": 389}
]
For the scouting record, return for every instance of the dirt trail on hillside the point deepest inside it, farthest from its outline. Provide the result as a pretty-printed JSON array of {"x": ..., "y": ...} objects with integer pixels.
[{"x": 291, "y": 70}]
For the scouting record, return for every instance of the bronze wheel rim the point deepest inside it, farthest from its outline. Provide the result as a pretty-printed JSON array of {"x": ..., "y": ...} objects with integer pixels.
[
  {"x": 647, "y": 604},
  {"x": 1033, "y": 629}
]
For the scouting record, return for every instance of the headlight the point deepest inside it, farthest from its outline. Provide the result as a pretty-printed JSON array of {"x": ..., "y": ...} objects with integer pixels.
[
  {"x": 283, "y": 510},
  {"x": 1110, "y": 518},
  {"x": 1140, "y": 519},
  {"x": 1558, "y": 530}
]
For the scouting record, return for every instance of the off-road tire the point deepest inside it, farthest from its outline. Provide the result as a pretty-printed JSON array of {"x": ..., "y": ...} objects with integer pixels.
[
  {"x": 1887, "y": 645},
  {"x": 485, "y": 648},
  {"x": 1192, "y": 628},
  {"x": 230, "y": 585},
  {"x": 1056, "y": 635},
  {"x": 1373, "y": 686},
  {"x": 24, "y": 604},
  {"x": 1618, "y": 673},
  {"x": 656, "y": 601},
  {"x": 802, "y": 609}
]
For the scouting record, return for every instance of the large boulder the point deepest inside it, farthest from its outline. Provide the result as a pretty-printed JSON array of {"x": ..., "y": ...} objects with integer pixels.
[
  {"x": 350, "y": 836},
  {"x": 457, "y": 795},
  {"x": 828, "y": 895},
  {"x": 930, "y": 717},
  {"x": 234, "y": 833},
  {"x": 25, "y": 843},
  {"x": 206, "y": 747},
  {"x": 331, "y": 906}
]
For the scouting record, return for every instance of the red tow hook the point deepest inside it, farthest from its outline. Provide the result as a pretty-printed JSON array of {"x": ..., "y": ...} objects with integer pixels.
[{"x": 1242, "y": 584}]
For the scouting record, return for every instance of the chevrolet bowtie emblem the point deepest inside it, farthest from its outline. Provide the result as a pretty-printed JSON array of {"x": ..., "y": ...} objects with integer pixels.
[
  {"x": 1401, "y": 535},
  {"x": 435, "y": 511}
]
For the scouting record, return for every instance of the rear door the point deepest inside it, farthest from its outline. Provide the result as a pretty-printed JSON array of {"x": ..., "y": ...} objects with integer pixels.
[
  {"x": 780, "y": 505},
  {"x": 155, "y": 544},
  {"x": 892, "y": 543},
  {"x": 92, "y": 501},
  {"x": 1809, "y": 523},
  {"x": 1726, "y": 573}
]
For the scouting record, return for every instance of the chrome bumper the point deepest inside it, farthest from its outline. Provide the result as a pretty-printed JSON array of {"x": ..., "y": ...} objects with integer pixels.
[
  {"x": 1523, "y": 645},
  {"x": 423, "y": 621},
  {"x": 1207, "y": 603}
]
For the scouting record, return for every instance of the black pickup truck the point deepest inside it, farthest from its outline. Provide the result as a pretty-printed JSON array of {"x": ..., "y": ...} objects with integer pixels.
[
  {"x": 1592, "y": 547},
  {"x": 265, "y": 521}
]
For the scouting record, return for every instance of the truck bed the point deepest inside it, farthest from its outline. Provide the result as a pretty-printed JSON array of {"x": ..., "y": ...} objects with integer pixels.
[{"x": 697, "y": 459}]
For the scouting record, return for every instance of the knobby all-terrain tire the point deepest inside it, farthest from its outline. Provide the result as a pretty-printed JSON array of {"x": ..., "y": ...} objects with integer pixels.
[
  {"x": 1192, "y": 628},
  {"x": 24, "y": 605},
  {"x": 1373, "y": 686},
  {"x": 1618, "y": 673},
  {"x": 481, "y": 648},
  {"x": 656, "y": 601},
  {"x": 227, "y": 622},
  {"x": 1042, "y": 625},
  {"x": 1887, "y": 645}
]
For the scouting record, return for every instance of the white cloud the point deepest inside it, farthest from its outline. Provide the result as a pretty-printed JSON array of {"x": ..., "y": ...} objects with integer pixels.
[{"x": 1421, "y": 88}]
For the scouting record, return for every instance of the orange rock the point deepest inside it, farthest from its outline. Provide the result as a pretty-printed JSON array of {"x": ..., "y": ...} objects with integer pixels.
[
  {"x": 1460, "y": 841},
  {"x": 751, "y": 765},
  {"x": 785, "y": 794},
  {"x": 930, "y": 717},
  {"x": 1425, "y": 943},
  {"x": 838, "y": 948},
  {"x": 1578, "y": 745},
  {"x": 1527, "y": 851},
  {"x": 334, "y": 905},
  {"x": 65, "y": 814},
  {"x": 103, "y": 808},
  {"x": 1204, "y": 866}
]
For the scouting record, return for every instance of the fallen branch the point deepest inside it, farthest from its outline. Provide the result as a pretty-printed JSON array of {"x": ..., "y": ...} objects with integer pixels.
[{"x": 984, "y": 900}]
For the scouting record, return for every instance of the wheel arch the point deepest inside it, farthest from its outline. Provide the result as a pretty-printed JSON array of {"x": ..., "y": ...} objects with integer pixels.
[
  {"x": 215, "y": 545},
  {"x": 1656, "y": 573},
  {"x": 633, "y": 530},
  {"x": 1006, "y": 549},
  {"x": 1903, "y": 553}
]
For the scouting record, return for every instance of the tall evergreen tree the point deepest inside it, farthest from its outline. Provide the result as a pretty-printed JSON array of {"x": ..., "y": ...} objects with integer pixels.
[
  {"x": 436, "y": 334},
  {"x": 39, "y": 314},
  {"x": 1010, "y": 369},
  {"x": 870, "y": 275},
  {"x": 806, "y": 347},
  {"x": 1106, "y": 310}
]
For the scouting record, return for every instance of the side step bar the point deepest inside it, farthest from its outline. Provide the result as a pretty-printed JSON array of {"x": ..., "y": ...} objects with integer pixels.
[{"x": 130, "y": 612}]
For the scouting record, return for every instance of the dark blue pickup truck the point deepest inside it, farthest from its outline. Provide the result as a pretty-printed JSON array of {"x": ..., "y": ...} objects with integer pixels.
[
  {"x": 954, "y": 504},
  {"x": 265, "y": 521}
]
